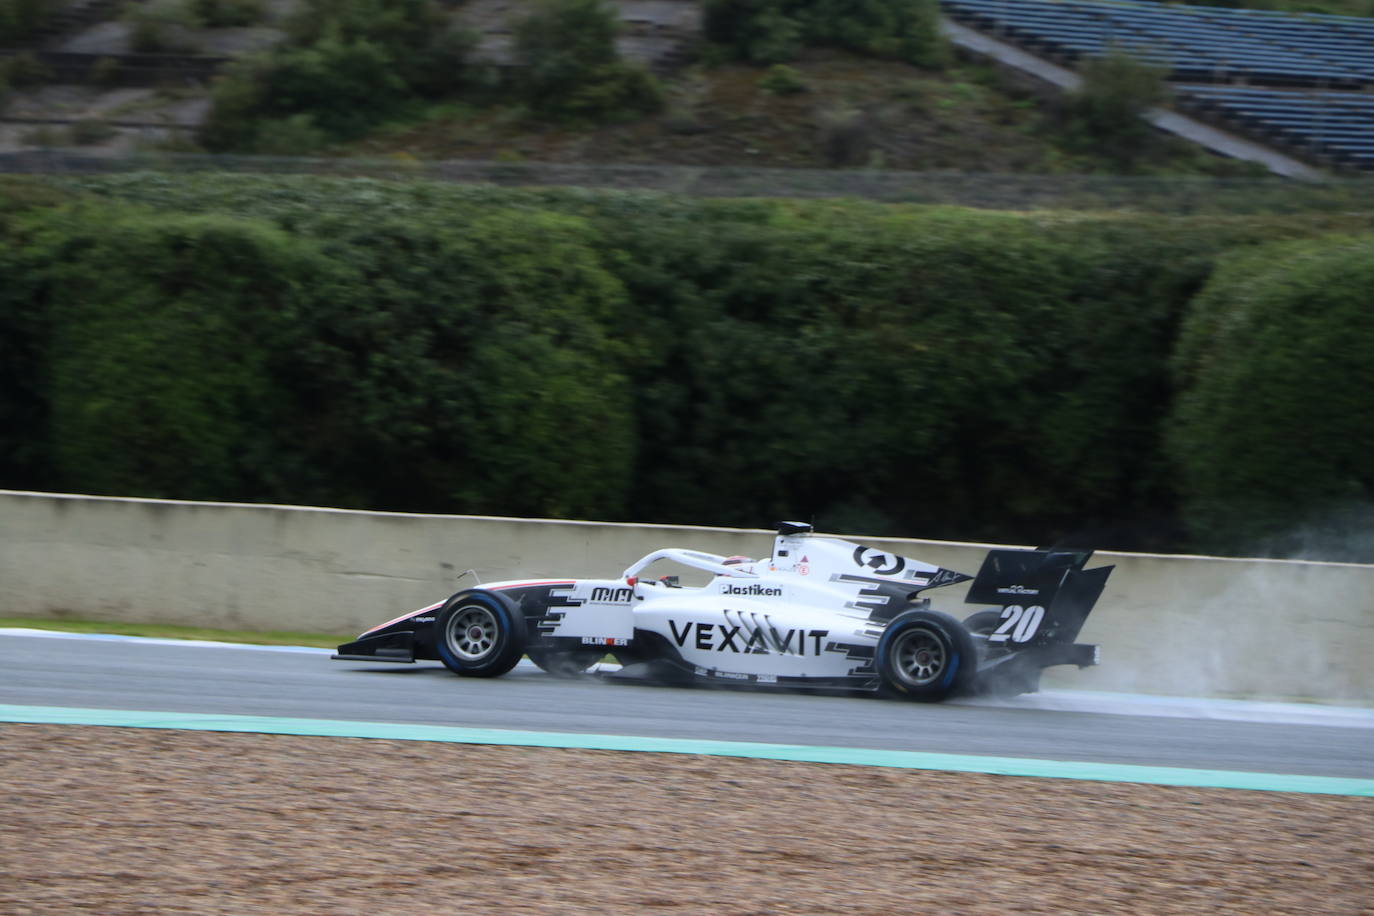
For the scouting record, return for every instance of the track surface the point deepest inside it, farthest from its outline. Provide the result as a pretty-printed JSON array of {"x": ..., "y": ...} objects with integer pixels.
[{"x": 207, "y": 679}]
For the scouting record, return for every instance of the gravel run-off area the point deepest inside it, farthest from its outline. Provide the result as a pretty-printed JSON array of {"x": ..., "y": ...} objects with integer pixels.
[{"x": 122, "y": 821}]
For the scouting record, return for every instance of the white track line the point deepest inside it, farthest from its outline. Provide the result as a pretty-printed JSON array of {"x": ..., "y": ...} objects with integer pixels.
[{"x": 154, "y": 641}]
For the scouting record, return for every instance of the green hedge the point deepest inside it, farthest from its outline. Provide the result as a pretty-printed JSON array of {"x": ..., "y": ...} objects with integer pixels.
[
  {"x": 162, "y": 331},
  {"x": 1273, "y": 429},
  {"x": 420, "y": 346},
  {"x": 364, "y": 364}
]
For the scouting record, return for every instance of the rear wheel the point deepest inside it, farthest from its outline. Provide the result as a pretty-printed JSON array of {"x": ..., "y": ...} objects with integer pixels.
[
  {"x": 479, "y": 635},
  {"x": 566, "y": 662},
  {"x": 925, "y": 655}
]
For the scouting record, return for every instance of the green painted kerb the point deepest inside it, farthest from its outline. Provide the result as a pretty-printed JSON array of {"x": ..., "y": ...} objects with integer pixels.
[{"x": 911, "y": 760}]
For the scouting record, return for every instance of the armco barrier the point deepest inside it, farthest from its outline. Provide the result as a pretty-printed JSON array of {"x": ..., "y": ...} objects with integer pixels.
[{"x": 1167, "y": 624}]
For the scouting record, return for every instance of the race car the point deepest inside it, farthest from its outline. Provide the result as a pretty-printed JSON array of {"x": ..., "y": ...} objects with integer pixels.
[{"x": 820, "y": 612}]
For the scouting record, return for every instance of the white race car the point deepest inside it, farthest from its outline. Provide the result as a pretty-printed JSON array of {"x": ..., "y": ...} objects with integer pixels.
[{"x": 820, "y": 612}]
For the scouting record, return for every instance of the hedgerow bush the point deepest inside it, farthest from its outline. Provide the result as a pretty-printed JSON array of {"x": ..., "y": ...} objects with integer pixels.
[
  {"x": 473, "y": 357},
  {"x": 435, "y": 347},
  {"x": 24, "y": 339},
  {"x": 162, "y": 332},
  {"x": 856, "y": 366},
  {"x": 1272, "y": 429},
  {"x": 363, "y": 363}
]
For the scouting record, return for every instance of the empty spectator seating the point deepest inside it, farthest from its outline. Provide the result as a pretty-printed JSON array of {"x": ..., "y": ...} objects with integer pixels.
[
  {"x": 1335, "y": 125},
  {"x": 1196, "y": 43},
  {"x": 1302, "y": 80}
]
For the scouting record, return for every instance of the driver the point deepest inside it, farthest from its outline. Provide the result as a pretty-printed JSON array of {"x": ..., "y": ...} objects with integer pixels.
[{"x": 735, "y": 561}]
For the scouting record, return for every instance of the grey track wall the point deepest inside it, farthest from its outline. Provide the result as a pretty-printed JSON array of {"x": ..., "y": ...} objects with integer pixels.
[{"x": 1167, "y": 624}]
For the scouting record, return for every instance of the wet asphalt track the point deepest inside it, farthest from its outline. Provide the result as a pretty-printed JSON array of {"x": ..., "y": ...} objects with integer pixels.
[{"x": 135, "y": 675}]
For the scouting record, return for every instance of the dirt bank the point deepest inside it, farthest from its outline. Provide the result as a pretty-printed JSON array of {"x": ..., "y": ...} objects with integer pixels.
[{"x": 125, "y": 821}]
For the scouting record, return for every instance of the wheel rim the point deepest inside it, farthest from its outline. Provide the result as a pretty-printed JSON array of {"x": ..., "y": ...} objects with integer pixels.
[
  {"x": 471, "y": 632},
  {"x": 919, "y": 656}
]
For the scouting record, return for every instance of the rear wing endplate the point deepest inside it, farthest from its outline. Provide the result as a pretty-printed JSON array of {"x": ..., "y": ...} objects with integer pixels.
[{"x": 1045, "y": 595}]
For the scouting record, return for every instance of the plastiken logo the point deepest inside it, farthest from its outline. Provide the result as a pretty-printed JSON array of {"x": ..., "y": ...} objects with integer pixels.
[
  {"x": 1017, "y": 590},
  {"x": 753, "y": 591}
]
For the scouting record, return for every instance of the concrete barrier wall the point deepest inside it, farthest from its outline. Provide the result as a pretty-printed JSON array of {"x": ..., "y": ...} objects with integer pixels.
[{"x": 1167, "y": 624}]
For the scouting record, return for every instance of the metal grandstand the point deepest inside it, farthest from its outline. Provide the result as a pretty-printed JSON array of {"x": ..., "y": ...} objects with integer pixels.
[{"x": 1301, "y": 81}]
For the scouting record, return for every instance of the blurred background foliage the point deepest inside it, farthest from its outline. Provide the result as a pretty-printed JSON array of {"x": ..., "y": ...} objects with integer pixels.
[
  {"x": 776, "y": 31},
  {"x": 1138, "y": 381}
]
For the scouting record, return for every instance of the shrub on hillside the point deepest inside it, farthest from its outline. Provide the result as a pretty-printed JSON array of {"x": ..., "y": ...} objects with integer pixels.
[
  {"x": 343, "y": 86},
  {"x": 229, "y": 13},
  {"x": 163, "y": 27},
  {"x": 426, "y": 49},
  {"x": 1272, "y": 431},
  {"x": 349, "y": 66},
  {"x": 775, "y": 31},
  {"x": 20, "y": 19},
  {"x": 570, "y": 66},
  {"x": 757, "y": 31},
  {"x": 907, "y": 30},
  {"x": 24, "y": 70},
  {"x": 1105, "y": 115},
  {"x": 782, "y": 80}
]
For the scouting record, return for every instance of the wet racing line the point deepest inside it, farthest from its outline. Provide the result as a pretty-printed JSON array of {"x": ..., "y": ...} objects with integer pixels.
[{"x": 59, "y": 678}]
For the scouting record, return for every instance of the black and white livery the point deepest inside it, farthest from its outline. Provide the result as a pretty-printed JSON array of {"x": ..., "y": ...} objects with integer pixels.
[{"x": 820, "y": 612}]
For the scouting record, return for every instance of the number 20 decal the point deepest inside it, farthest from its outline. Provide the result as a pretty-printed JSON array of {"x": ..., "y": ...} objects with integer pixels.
[{"x": 1018, "y": 623}]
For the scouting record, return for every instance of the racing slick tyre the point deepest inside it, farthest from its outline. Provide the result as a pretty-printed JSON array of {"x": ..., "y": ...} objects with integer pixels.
[
  {"x": 925, "y": 655},
  {"x": 478, "y": 634},
  {"x": 565, "y": 662}
]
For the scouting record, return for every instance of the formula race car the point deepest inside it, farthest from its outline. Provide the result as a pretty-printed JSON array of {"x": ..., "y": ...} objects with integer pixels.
[{"x": 820, "y": 612}]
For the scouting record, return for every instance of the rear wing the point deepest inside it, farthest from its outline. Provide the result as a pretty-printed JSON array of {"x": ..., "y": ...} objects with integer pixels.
[{"x": 1045, "y": 595}]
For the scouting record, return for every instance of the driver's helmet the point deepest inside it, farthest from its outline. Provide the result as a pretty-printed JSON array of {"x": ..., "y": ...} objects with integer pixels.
[{"x": 735, "y": 561}]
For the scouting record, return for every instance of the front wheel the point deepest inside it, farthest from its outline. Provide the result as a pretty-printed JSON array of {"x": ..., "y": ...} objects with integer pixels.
[
  {"x": 925, "y": 655},
  {"x": 479, "y": 635}
]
